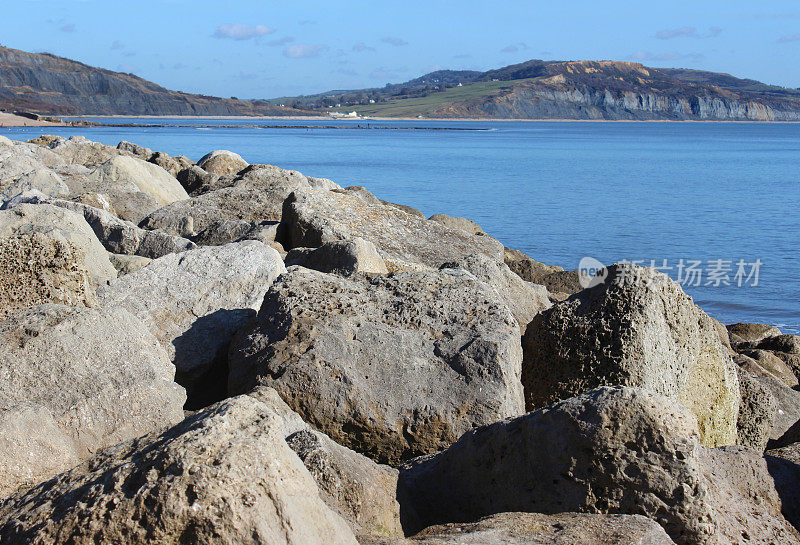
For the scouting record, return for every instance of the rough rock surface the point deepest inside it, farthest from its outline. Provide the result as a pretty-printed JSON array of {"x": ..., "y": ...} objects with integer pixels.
[
  {"x": 638, "y": 328},
  {"x": 527, "y": 268},
  {"x": 254, "y": 197},
  {"x": 757, "y": 412},
  {"x": 78, "y": 150},
  {"x": 753, "y": 332},
  {"x": 126, "y": 264},
  {"x": 357, "y": 488},
  {"x": 62, "y": 225},
  {"x": 525, "y": 299},
  {"x": 466, "y": 225},
  {"x": 134, "y": 187},
  {"x": 123, "y": 237},
  {"x": 538, "y": 529},
  {"x": 40, "y": 179},
  {"x": 312, "y": 219},
  {"x": 222, "y": 162},
  {"x": 36, "y": 269},
  {"x": 391, "y": 367},
  {"x": 768, "y": 363},
  {"x": 362, "y": 492},
  {"x": 73, "y": 381},
  {"x": 194, "y": 302},
  {"x": 344, "y": 257},
  {"x": 223, "y": 475},
  {"x": 610, "y": 450}
]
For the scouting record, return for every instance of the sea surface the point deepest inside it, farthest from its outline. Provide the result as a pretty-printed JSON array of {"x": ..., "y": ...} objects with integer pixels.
[{"x": 716, "y": 203}]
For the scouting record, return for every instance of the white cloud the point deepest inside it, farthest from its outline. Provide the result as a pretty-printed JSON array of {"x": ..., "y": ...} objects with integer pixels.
[
  {"x": 789, "y": 38},
  {"x": 361, "y": 46},
  {"x": 513, "y": 48},
  {"x": 241, "y": 31},
  {"x": 304, "y": 51}
]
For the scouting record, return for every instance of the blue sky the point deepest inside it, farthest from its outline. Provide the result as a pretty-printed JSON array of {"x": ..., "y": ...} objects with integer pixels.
[{"x": 262, "y": 49}]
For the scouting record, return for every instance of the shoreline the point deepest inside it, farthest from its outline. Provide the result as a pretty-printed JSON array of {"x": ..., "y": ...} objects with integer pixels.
[{"x": 437, "y": 119}]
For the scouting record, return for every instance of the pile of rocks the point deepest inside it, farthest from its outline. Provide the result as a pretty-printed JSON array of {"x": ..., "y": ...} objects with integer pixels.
[{"x": 224, "y": 352}]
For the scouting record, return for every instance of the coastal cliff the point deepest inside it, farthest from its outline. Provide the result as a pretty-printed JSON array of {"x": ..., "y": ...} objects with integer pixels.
[
  {"x": 46, "y": 84},
  {"x": 608, "y": 90}
]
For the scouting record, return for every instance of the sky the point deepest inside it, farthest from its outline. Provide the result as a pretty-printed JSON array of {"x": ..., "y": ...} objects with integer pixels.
[{"x": 265, "y": 49}]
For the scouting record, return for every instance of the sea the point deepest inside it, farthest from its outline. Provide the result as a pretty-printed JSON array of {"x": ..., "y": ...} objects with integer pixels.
[{"x": 714, "y": 205}]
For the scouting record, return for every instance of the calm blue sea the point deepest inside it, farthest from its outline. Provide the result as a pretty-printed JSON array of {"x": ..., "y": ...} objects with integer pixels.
[{"x": 722, "y": 197}]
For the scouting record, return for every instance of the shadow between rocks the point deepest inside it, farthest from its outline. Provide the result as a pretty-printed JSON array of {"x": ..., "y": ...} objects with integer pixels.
[
  {"x": 208, "y": 338},
  {"x": 787, "y": 483}
]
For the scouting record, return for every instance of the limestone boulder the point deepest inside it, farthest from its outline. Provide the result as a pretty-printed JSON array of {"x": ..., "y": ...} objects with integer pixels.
[
  {"x": 768, "y": 364},
  {"x": 42, "y": 180},
  {"x": 525, "y": 299},
  {"x": 538, "y": 529},
  {"x": 135, "y": 150},
  {"x": 194, "y": 302},
  {"x": 464, "y": 224},
  {"x": 126, "y": 264},
  {"x": 615, "y": 450},
  {"x": 134, "y": 187},
  {"x": 753, "y": 332},
  {"x": 123, "y": 237},
  {"x": 78, "y": 150},
  {"x": 222, "y": 162},
  {"x": 344, "y": 257},
  {"x": 757, "y": 411},
  {"x": 313, "y": 219},
  {"x": 253, "y": 198},
  {"x": 527, "y": 268},
  {"x": 74, "y": 381},
  {"x": 223, "y": 475},
  {"x": 638, "y": 328},
  {"x": 49, "y": 255},
  {"x": 391, "y": 367},
  {"x": 173, "y": 165}
]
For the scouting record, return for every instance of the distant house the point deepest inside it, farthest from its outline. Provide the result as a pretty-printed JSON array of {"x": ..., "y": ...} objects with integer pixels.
[{"x": 459, "y": 85}]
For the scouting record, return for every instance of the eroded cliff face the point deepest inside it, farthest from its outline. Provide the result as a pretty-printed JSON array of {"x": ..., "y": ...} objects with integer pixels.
[
  {"x": 621, "y": 91},
  {"x": 52, "y": 85}
]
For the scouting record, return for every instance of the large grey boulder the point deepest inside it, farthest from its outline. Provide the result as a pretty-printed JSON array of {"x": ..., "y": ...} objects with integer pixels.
[
  {"x": 223, "y": 475},
  {"x": 757, "y": 411},
  {"x": 41, "y": 179},
  {"x": 61, "y": 225},
  {"x": 464, "y": 224},
  {"x": 74, "y": 381},
  {"x": 311, "y": 219},
  {"x": 610, "y": 450},
  {"x": 638, "y": 328},
  {"x": 134, "y": 187},
  {"x": 362, "y": 492},
  {"x": 123, "y": 237},
  {"x": 538, "y": 529},
  {"x": 525, "y": 299},
  {"x": 78, "y": 150},
  {"x": 341, "y": 257},
  {"x": 390, "y": 367},
  {"x": 48, "y": 254},
  {"x": 254, "y": 197},
  {"x": 194, "y": 302},
  {"x": 222, "y": 162},
  {"x": 752, "y": 332}
]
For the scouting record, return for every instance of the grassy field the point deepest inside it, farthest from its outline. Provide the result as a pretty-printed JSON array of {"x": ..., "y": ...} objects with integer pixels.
[{"x": 412, "y": 107}]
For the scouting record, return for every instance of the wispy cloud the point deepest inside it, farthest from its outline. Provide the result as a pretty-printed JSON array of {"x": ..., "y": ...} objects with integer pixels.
[
  {"x": 280, "y": 41},
  {"x": 68, "y": 28},
  {"x": 394, "y": 40},
  {"x": 361, "y": 46},
  {"x": 344, "y": 72},
  {"x": 513, "y": 48},
  {"x": 117, "y": 45},
  {"x": 789, "y": 38},
  {"x": 687, "y": 32},
  {"x": 241, "y": 31},
  {"x": 304, "y": 51},
  {"x": 462, "y": 56},
  {"x": 127, "y": 68},
  {"x": 646, "y": 56}
]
